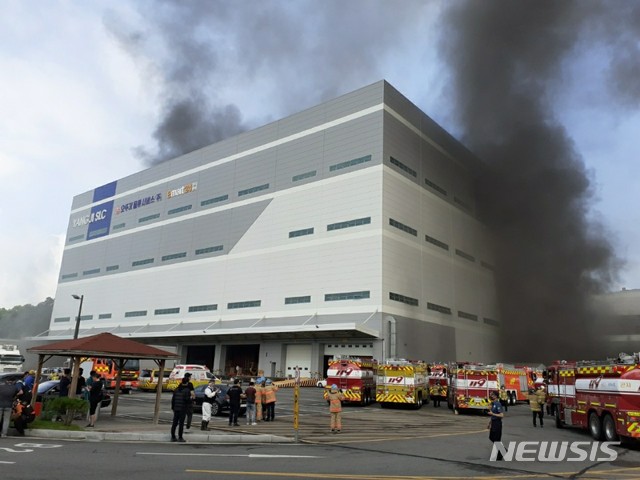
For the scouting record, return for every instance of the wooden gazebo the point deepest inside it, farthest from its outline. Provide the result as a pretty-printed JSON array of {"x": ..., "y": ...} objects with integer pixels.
[{"x": 103, "y": 345}]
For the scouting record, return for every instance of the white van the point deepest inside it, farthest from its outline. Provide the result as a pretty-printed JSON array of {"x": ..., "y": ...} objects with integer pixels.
[{"x": 200, "y": 375}]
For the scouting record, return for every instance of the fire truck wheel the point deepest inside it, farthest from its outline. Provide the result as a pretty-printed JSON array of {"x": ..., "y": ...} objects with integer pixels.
[
  {"x": 609, "y": 428},
  {"x": 595, "y": 426}
]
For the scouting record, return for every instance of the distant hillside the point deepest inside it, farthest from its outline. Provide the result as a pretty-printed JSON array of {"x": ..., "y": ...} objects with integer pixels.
[{"x": 24, "y": 321}]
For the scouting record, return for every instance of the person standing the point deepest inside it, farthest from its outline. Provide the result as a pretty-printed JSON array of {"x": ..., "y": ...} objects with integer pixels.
[
  {"x": 436, "y": 393},
  {"x": 250, "y": 394},
  {"x": 192, "y": 397},
  {"x": 95, "y": 398},
  {"x": 209, "y": 397},
  {"x": 536, "y": 408},
  {"x": 65, "y": 383},
  {"x": 542, "y": 399},
  {"x": 81, "y": 385},
  {"x": 259, "y": 398},
  {"x": 234, "y": 396},
  {"x": 335, "y": 398},
  {"x": 495, "y": 422},
  {"x": 504, "y": 398},
  {"x": 179, "y": 403},
  {"x": 269, "y": 401}
]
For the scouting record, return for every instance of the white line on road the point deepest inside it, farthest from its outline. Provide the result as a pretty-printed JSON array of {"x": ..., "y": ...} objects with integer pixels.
[{"x": 250, "y": 455}]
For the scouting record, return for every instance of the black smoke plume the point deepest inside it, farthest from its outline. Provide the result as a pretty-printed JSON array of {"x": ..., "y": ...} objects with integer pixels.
[{"x": 507, "y": 62}]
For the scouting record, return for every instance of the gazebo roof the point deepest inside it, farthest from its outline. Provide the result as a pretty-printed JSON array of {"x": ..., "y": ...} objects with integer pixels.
[{"x": 103, "y": 345}]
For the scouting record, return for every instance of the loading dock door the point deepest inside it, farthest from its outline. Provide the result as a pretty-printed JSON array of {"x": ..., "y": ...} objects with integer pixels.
[{"x": 298, "y": 355}]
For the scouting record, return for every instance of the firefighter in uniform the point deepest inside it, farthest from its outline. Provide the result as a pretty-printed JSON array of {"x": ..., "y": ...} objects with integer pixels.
[
  {"x": 259, "y": 394},
  {"x": 536, "y": 409},
  {"x": 542, "y": 399},
  {"x": 269, "y": 401},
  {"x": 335, "y": 407},
  {"x": 504, "y": 398},
  {"x": 436, "y": 393}
]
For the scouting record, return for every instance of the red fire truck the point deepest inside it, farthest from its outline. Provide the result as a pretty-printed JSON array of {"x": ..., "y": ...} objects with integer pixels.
[
  {"x": 355, "y": 376},
  {"x": 517, "y": 381},
  {"x": 601, "y": 396},
  {"x": 108, "y": 370},
  {"x": 469, "y": 386}
]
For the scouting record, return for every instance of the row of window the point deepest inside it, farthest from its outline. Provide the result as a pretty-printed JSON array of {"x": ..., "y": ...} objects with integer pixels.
[
  {"x": 241, "y": 193},
  {"x": 440, "y": 308},
  {"x": 429, "y": 183}
]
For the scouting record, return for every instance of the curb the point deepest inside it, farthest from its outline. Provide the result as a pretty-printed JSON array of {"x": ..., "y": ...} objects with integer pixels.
[{"x": 154, "y": 437}]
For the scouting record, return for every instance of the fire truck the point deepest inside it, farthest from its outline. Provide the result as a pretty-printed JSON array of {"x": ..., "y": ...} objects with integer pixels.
[
  {"x": 517, "y": 381},
  {"x": 356, "y": 377},
  {"x": 402, "y": 382},
  {"x": 469, "y": 386},
  {"x": 438, "y": 375},
  {"x": 601, "y": 396},
  {"x": 108, "y": 370}
]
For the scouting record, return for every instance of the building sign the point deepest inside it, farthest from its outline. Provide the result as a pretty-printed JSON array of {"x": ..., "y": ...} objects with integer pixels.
[
  {"x": 141, "y": 202},
  {"x": 188, "y": 188},
  {"x": 99, "y": 220}
]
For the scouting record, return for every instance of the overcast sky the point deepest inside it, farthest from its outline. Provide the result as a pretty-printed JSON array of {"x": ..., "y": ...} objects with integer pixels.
[{"x": 91, "y": 92}]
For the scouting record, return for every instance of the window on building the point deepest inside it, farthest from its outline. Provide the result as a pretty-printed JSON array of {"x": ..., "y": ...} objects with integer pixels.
[
  {"x": 435, "y": 186},
  {"x": 249, "y": 304},
  {"x": 468, "y": 316},
  {"x": 253, "y": 190},
  {"x": 404, "y": 299},
  {"x": 173, "y": 256},
  {"x": 202, "y": 251},
  {"x": 137, "y": 263},
  {"x": 93, "y": 271},
  {"x": 332, "y": 297},
  {"x": 465, "y": 255},
  {"x": 350, "y": 163},
  {"x": 69, "y": 275},
  {"x": 293, "y": 300},
  {"x": 491, "y": 321},
  {"x": 438, "y": 308},
  {"x": 135, "y": 313},
  {"x": 76, "y": 238},
  {"x": 403, "y": 167},
  {"x": 104, "y": 316},
  {"x": 349, "y": 223},
  {"x": 112, "y": 268},
  {"x": 166, "y": 311},
  {"x": 86, "y": 317},
  {"x": 301, "y": 233},
  {"x": 203, "y": 308},
  {"x": 210, "y": 201},
  {"x": 302, "y": 176},
  {"x": 184, "y": 208},
  {"x": 403, "y": 227},
  {"x": 149, "y": 218},
  {"x": 118, "y": 226},
  {"x": 436, "y": 242},
  {"x": 61, "y": 319}
]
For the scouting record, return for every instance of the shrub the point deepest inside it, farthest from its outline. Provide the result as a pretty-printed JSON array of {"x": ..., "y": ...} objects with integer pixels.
[{"x": 65, "y": 408}]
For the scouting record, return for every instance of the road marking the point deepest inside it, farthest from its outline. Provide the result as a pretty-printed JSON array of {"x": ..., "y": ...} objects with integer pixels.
[
  {"x": 8, "y": 463},
  {"x": 244, "y": 455}
]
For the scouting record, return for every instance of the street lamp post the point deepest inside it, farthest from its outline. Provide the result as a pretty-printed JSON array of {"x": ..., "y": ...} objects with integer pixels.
[{"x": 81, "y": 298}]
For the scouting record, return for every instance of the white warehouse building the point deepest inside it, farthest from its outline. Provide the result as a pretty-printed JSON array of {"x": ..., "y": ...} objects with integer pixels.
[{"x": 348, "y": 228}]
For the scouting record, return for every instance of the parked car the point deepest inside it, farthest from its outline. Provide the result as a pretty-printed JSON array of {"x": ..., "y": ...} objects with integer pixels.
[
  {"x": 322, "y": 383},
  {"x": 51, "y": 389},
  {"x": 11, "y": 376},
  {"x": 220, "y": 404}
]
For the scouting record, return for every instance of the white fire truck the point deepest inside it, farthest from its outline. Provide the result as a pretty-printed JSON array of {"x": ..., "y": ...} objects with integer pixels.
[
  {"x": 355, "y": 377},
  {"x": 402, "y": 382},
  {"x": 601, "y": 396}
]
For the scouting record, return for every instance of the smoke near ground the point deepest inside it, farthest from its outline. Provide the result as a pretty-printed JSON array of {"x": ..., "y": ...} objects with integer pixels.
[
  {"x": 508, "y": 61},
  {"x": 509, "y": 64}
]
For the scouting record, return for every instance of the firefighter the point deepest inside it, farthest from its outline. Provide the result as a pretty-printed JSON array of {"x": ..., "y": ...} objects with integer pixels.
[
  {"x": 542, "y": 400},
  {"x": 335, "y": 398},
  {"x": 259, "y": 394},
  {"x": 269, "y": 401},
  {"x": 436, "y": 393},
  {"x": 536, "y": 408},
  {"x": 504, "y": 398}
]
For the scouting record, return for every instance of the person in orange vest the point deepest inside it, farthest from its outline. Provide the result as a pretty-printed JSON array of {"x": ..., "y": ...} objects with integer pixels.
[
  {"x": 269, "y": 401},
  {"x": 335, "y": 407}
]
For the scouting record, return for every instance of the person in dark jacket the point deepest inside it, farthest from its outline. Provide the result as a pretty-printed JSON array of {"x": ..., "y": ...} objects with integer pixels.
[
  {"x": 234, "y": 394},
  {"x": 7, "y": 395},
  {"x": 495, "y": 422},
  {"x": 179, "y": 404},
  {"x": 96, "y": 392}
]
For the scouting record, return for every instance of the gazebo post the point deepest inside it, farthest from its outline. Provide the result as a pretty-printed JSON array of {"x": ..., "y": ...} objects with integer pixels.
[
  {"x": 156, "y": 410},
  {"x": 74, "y": 377}
]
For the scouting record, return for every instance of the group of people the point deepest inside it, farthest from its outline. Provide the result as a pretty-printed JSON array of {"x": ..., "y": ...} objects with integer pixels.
[
  {"x": 15, "y": 404},
  {"x": 499, "y": 401},
  {"x": 259, "y": 396}
]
